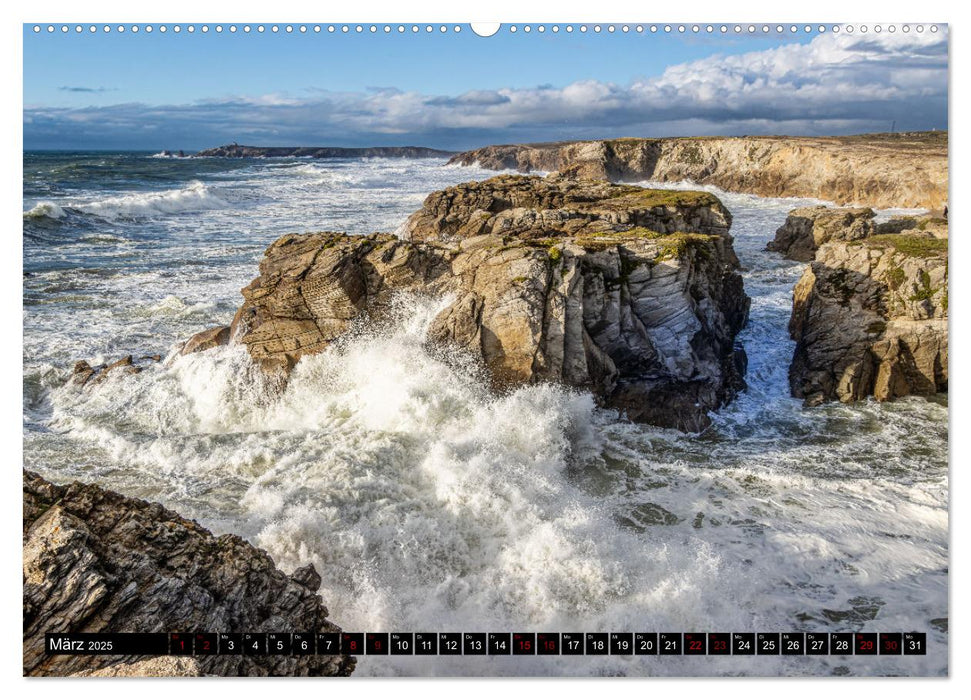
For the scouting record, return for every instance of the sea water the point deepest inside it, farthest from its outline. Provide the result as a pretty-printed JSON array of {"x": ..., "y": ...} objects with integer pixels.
[{"x": 428, "y": 502}]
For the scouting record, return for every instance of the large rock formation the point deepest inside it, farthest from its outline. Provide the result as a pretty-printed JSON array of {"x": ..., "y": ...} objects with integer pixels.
[
  {"x": 810, "y": 227},
  {"x": 234, "y": 150},
  {"x": 870, "y": 318},
  {"x": 807, "y": 228},
  {"x": 631, "y": 293},
  {"x": 877, "y": 170},
  {"x": 96, "y": 561}
]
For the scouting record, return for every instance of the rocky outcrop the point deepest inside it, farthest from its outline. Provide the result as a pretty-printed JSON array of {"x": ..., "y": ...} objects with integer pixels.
[
  {"x": 96, "y": 561},
  {"x": 633, "y": 294},
  {"x": 810, "y": 227},
  {"x": 236, "y": 151},
  {"x": 932, "y": 224},
  {"x": 876, "y": 170},
  {"x": 534, "y": 207},
  {"x": 203, "y": 340},
  {"x": 870, "y": 319},
  {"x": 84, "y": 374}
]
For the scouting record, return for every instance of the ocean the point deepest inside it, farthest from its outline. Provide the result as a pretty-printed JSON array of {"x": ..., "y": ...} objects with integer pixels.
[{"x": 429, "y": 503}]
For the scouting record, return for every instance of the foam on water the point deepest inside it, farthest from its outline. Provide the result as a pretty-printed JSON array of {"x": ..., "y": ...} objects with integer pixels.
[
  {"x": 195, "y": 197},
  {"x": 426, "y": 501},
  {"x": 45, "y": 210}
]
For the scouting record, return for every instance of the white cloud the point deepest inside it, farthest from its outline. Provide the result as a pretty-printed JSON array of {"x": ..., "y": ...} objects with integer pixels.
[{"x": 834, "y": 83}]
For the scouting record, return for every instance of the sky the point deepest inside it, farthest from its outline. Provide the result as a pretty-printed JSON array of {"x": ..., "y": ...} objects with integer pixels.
[{"x": 456, "y": 91}]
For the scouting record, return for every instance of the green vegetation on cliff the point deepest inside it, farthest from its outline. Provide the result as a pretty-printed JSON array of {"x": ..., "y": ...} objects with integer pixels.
[{"x": 914, "y": 246}]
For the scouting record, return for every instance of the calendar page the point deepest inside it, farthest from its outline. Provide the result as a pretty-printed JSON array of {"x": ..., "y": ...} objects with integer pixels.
[{"x": 519, "y": 349}]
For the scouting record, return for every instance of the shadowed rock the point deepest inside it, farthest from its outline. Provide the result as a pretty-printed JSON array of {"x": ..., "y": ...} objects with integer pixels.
[
  {"x": 869, "y": 318},
  {"x": 96, "y": 561},
  {"x": 810, "y": 227}
]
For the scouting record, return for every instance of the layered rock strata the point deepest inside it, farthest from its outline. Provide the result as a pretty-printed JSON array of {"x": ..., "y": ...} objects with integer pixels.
[
  {"x": 870, "y": 318},
  {"x": 876, "y": 170},
  {"x": 96, "y": 561},
  {"x": 633, "y": 294}
]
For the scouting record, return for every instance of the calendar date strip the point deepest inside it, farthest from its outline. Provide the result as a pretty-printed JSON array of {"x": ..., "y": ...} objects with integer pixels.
[{"x": 492, "y": 643}]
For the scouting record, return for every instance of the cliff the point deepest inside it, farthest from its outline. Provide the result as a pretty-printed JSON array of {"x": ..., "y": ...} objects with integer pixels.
[
  {"x": 236, "y": 151},
  {"x": 807, "y": 228},
  {"x": 876, "y": 170},
  {"x": 631, "y": 293},
  {"x": 96, "y": 561},
  {"x": 869, "y": 318}
]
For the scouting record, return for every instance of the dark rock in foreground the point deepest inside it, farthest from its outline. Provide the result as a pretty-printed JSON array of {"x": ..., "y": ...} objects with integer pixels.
[
  {"x": 631, "y": 293},
  {"x": 237, "y": 151},
  {"x": 96, "y": 561}
]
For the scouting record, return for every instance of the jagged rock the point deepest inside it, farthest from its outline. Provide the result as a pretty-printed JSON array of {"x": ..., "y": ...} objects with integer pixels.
[
  {"x": 96, "y": 561},
  {"x": 204, "y": 340},
  {"x": 877, "y": 170},
  {"x": 84, "y": 374},
  {"x": 870, "y": 318},
  {"x": 631, "y": 293},
  {"x": 559, "y": 206},
  {"x": 810, "y": 227},
  {"x": 152, "y": 667}
]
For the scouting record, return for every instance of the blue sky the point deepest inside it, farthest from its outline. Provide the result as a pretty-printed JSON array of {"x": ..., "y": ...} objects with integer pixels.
[{"x": 457, "y": 91}]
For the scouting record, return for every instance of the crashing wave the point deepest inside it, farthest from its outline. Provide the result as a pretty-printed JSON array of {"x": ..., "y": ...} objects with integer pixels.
[
  {"x": 193, "y": 198},
  {"x": 45, "y": 210}
]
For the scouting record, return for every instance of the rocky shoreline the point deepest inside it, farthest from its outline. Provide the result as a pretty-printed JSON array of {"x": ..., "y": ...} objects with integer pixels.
[
  {"x": 632, "y": 294},
  {"x": 97, "y": 561},
  {"x": 876, "y": 170},
  {"x": 869, "y": 313},
  {"x": 234, "y": 150}
]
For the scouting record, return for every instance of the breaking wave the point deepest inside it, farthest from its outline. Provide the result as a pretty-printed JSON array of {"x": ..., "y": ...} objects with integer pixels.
[{"x": 195, "y": 197}]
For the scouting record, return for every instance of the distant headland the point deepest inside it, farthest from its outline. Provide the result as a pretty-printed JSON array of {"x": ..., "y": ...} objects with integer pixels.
[
  {"x": 234, "y": 150},
  {"x": 906, "y": 169}
]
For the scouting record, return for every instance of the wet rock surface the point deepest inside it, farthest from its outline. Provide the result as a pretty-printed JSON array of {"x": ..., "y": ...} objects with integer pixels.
[{"x": 86, "y": 375}]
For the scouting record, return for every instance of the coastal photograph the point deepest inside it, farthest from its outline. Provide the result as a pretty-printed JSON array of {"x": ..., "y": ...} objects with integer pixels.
[{"x": 403, "y": 335}]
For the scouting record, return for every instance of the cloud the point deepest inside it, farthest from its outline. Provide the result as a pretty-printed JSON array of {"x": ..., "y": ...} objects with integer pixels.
[
  {"x": 75, "y": 88},
  {"x": 833, "y": 84},
  {"x": 474, "y": 98}
]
